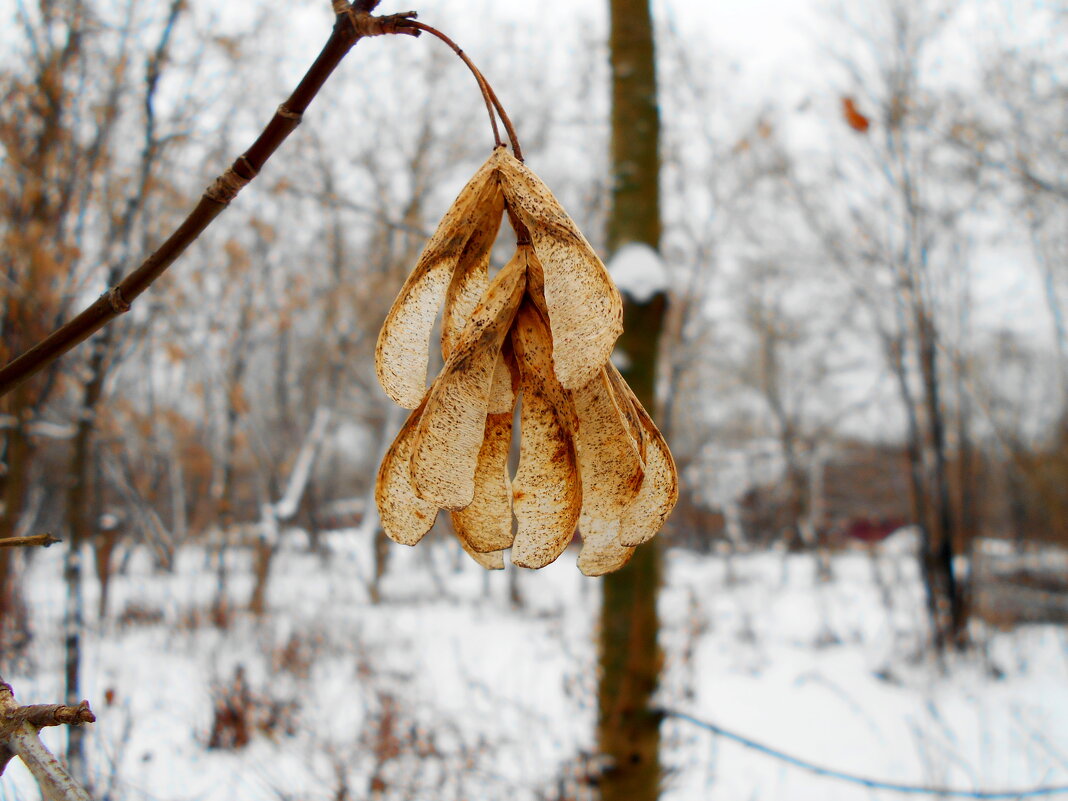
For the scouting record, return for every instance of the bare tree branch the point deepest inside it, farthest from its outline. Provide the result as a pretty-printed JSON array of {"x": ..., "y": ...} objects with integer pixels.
[
  {"x": 19, "y": 728},
  {"x": 351, "y": 25},
  {"x": 44, "y": 540}
]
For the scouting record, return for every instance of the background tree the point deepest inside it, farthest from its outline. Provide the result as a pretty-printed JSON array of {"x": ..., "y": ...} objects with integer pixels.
[
  {"x": 66, "y": 103},
  {"x": 628, "y": 730},
  {"x": 80, "y": 510},
  {"x": 897, "y": 225}
]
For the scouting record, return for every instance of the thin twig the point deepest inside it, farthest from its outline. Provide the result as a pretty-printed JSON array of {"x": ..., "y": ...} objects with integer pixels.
[
  {"x": 864, "y": 781},
  {"x": 41, "y": 716},
  {"x": 492, "y": 102},
  {"x": 348, "y": 29},
  {"x": 43, "y": 540},
  {"x": 512, "y": 136},
  {"x": 483, "y": 84}
]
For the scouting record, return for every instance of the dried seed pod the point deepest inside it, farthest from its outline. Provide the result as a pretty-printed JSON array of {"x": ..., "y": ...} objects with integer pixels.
[
  {"x": 543, "y": 329},
  {"x": 451, "y": 429},
  {"x": 601, "y": 552},
  {"x": 623, "y": 395},
  {"x": 493, "y": 560},
  {"x": 546, "y": 491},
  {"x": 540, "y": 347},
  {"x": 659, "y": 491},
  {"x": 470, "y": 279},
  {"x": 406, "y": 518},
  {"x": 505, "y": 381},
  {"x": 486, "y": 524},
  {"x": 460, "y": 246},
  {"x": 584, "y": 307},
  {"x": 609, "y": 462}
]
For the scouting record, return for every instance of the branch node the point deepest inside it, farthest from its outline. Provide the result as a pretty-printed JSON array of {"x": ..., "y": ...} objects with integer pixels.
[
  {"x": 365, "y": 24},
  {"x": 399, "y": 23},
  {"x": 117, "y": 301},
  {"x": 13, "y": 716},
  {"x": 249, "y": 171},
  {"x": 226, "y": 186},
  {"x": 43, "y": 715},
  {"x": 288, "y": 115}
]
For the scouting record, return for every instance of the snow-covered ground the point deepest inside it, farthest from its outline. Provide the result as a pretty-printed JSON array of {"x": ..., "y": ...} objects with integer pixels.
[{"x": 445, "y": 691}]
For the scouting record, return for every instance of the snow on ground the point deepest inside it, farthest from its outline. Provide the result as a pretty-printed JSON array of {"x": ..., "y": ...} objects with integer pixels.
[{"x": 445, "y": 691}]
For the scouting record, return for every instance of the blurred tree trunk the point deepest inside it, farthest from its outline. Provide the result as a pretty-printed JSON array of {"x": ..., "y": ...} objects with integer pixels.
[
  {"x": 944, "y": 525},
  {"x": 17, "y": 456},
  {"x": 628, "y": 732},
  {"x": 81, "y": 508},
  {"x": 41, "y": 193},
  {"x": 80, "y": 515}
]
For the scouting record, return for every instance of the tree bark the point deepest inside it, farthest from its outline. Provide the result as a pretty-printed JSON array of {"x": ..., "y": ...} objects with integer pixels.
[
  {"x": 19, "y": 736},
  {"x": 628, "y": 730},
  {"x": 17, "y": 459},
  {"x": 79, "y": 518},
  {"x": 941, "y": 554}
]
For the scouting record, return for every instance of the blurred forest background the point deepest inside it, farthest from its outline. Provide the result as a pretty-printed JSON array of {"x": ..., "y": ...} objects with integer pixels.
[{"x": 867, "y": 268}]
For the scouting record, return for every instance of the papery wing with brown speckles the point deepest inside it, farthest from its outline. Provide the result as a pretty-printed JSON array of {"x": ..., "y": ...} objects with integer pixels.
[
  {"x": 659, "y": 490},
  {"x": 485, "y": 525},
  {"x": 460, "y": 246},
  {"x": 601, "y": 552},
  {"x": 505, "y": 381},
  {"x": 585, "y": 308},
  {"x": 406, "y": 518},
  {"x": 451, "y": 430},
  {"x": 492, "y": 560},
  {"x": 609, "y": 462},
  {"x": 471, "y": 276},
  {"x": 546, "y": 491},
  {"x": 623, "y": 396}
]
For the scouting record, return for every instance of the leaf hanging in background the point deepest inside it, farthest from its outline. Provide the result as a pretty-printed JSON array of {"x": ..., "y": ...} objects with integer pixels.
[{"x": 857, "y": 121}]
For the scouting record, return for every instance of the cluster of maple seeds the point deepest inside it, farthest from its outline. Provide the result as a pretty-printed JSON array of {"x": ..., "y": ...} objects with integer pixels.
[{"x": 539, "y": 334}]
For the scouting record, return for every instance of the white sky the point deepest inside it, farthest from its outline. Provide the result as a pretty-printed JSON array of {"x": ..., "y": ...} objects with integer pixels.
[{"x": 765, "y": 50}]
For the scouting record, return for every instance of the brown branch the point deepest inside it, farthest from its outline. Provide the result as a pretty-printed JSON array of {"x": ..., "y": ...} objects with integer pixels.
[
  {"x": 19, "y": 728},
  {"x": 42, "y": 715},
  {"x": 12, "y": 716},
  {"x": 349, "y": 28},
  {"x": 43, "y": 540},
  {"x": 6, "y": 755}
]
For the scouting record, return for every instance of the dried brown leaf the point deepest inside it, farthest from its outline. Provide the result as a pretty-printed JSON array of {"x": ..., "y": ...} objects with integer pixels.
[
  {"x": 601, "y": 551},
  {"x": 584, "y": 307},
  {"x": 546, "y": 491},
  {"x": 445, "y": 454},
  {"x": 406, "y": 518},
  {"x": 609, "y": 462},
  {"x": 403, "y": 349}
]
